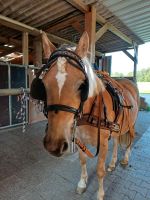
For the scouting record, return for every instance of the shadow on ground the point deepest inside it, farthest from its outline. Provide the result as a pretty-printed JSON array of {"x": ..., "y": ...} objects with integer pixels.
[{"x": 28, "y": 172}]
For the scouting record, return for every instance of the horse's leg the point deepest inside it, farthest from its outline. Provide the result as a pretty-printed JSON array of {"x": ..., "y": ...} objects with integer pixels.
[
  {"x": 125, "y": 160},
  {"x": 112, "y": 164},
  {"x": 101, "y": 166},
  {"x": 84, "y": 176},
  {"x": 131, "y": 135}
]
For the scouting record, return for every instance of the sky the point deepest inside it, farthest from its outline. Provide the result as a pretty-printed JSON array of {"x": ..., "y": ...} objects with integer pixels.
[{"x": 121, "y": 62}]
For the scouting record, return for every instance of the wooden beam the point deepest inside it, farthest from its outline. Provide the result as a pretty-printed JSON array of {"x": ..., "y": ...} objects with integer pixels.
[
  {"x": 77, "y": 26},
  {"x": 65, "y": 23},
  {"x": 101, "y": 32},
  {"x": 129, "y": 55},
  {"x": 79, "y": 5},
  {"x": 25, "y": 48},
  {"x": 13, "y": 91},
  {"x": 114, "y": 30},
  {"x": 90, "y": 27},
  {"x": 10, "y": 41},
  {"x": 37, "y": 52},
  {"x": 101, "y": 20},
  {"x": 84, "y": 8},
  {"x": 33, "y": 31},
  {"x": 18, "y": 25}
]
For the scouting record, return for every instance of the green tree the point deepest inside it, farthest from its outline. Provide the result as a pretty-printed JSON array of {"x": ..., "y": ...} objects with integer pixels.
[
  {"x": 143, "y": 75},
  {"x": 117, "y": 74}
]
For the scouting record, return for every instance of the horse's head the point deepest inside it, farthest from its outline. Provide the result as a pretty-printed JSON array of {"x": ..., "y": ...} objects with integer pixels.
[{"x": 67, "y": 87}]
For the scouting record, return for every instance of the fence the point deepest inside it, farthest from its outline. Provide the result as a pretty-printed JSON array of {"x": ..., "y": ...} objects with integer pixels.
[{"x": 13, "y": 77}]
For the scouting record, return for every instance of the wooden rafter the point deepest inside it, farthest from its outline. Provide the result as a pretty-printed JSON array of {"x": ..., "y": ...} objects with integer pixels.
[
  {"x": 18, "y": 25},
  {"x": 33, "y": 31},
  {"x": 77, "y": 26},
  {"x": 129, "y": 55},
  {"x": 117, "y": 32},
  {"x": 65, "y": 23},
  {"x": 84, "y": 8},
  {"x": 10, "y": 41},
  {"x": 101, "y": 32},
  {"x": 79, "y": 5}
]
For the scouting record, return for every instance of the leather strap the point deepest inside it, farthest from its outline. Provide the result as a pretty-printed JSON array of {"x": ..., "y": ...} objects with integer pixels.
[
  {"x": 58, "y": 107},
  {"x": 82, "y": 146},
  {"x": 99, "y": 125}
]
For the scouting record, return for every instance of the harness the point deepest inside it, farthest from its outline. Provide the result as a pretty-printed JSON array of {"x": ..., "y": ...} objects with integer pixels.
[{"x": 81, "y": 118}]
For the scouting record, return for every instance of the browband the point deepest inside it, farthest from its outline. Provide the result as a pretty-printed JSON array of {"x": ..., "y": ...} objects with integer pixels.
[{"x": 67, "y": 54}]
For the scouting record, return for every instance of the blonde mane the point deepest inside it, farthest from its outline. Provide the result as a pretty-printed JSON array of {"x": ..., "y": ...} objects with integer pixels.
[{"x": 95, "y": 84}]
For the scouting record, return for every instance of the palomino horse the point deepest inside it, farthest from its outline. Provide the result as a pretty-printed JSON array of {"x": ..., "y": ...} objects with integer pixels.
[{"x": 83, "y": 108}]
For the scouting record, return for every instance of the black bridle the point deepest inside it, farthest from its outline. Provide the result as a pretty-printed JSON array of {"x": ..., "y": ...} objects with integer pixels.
[{"x": 76, "y": 62}]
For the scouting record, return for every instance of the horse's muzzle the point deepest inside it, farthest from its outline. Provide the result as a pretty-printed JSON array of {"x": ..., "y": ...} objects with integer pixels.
[{"x": 56, "y": 149}]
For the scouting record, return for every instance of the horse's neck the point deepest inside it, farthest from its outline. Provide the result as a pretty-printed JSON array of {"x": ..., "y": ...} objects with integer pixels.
[
  {"x": 94, "y": 99},
  {"x": 101, "y": 98}
]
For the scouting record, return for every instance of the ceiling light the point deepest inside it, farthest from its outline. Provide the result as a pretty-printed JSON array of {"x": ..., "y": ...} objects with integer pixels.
[{"x": 11, "y": 46}]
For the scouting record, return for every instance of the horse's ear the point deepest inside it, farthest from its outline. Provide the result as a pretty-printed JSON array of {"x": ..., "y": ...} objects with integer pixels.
[
  {"x": 83, "y": 45},
  {"x": 48, "y": 47}
]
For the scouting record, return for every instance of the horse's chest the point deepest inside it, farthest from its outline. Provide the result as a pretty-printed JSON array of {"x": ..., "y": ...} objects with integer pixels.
[{"x": 87, "y": 134}]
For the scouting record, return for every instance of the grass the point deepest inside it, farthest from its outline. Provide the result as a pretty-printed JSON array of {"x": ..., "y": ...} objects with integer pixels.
[{"x": 148, "y": 108}]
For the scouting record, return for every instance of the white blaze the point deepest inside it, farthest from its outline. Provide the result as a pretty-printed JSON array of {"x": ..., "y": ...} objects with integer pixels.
[{"x": 61, "y": 74}]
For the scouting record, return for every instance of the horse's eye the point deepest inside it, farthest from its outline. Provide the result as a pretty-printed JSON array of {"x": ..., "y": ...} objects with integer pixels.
[{"x": 81, "y": 87}]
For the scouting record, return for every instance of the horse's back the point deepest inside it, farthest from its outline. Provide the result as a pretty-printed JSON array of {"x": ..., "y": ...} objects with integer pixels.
[{"x": 129, "y": 87}]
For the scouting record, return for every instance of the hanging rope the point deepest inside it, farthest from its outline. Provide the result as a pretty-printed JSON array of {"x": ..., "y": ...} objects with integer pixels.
[{"x": 21, "y": 114}]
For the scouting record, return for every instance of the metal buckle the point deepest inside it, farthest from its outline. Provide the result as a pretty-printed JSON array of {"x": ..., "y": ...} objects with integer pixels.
[{"x": 115, "y": 127}]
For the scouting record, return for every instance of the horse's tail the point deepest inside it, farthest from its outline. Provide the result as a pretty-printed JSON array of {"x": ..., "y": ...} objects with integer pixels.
[{"x": 127, "y": 138}]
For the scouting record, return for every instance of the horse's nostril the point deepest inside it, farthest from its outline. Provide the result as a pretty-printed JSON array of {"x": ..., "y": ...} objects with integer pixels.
[{"x": 65, "y": 147}]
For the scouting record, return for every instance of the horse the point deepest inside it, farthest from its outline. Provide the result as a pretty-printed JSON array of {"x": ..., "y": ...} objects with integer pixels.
[{"x": 84, "y": 108}]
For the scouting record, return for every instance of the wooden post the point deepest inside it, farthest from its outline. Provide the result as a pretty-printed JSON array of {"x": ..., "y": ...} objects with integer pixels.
[
  {"x": 37, "y": 57},
  {"x": 25, "y": 50},
  {"x": 135, "y": 60},
  {"x": 34, "y": 115},
  {"x": 90, "y": 27}
]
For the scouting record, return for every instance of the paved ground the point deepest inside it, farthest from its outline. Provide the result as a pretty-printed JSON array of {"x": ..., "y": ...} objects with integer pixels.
[{"x": 28, "y": 172}]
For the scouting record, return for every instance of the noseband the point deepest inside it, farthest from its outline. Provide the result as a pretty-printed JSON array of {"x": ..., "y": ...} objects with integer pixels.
[{"x": 76, "y": 62}]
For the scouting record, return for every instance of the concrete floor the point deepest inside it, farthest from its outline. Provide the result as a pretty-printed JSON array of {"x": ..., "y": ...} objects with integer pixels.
[{"x": 28, "y": 172}]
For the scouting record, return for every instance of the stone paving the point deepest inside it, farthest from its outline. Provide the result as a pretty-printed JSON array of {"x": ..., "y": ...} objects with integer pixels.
[{"x": 28, "y": 172}]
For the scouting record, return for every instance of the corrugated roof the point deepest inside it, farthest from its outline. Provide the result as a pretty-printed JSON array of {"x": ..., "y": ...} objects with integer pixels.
[
  {"x": 129, "y": 16},
  {"x": 134, "y": 14}
]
